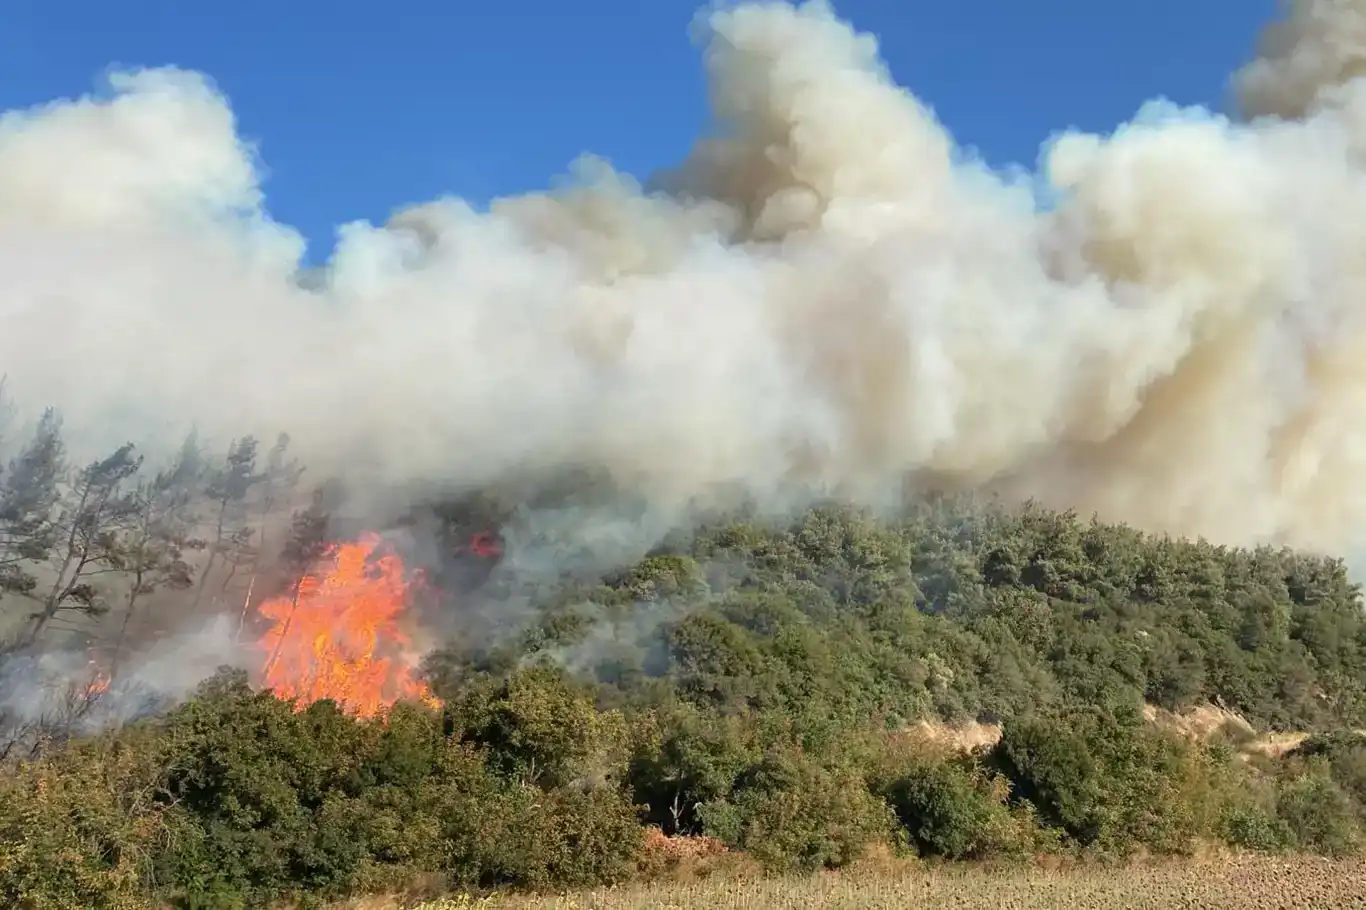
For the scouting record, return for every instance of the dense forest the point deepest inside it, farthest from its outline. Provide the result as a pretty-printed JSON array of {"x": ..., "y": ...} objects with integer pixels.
[{"x": 769, "y": 687}]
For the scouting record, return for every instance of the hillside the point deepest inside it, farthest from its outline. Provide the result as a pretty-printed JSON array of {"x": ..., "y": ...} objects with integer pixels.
[
  {"x": 801, "y": 694},
  {"x": 960, "y": 611}
]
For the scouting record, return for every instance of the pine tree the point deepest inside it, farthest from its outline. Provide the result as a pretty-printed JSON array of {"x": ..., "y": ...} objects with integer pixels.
[
  {"x": 97, "y": 510},
  {"x": 274, "y": 491},
  {"x": 228, "y": 490},
  {"x": 159, "y": 537},
  {"x": 29, "y": 497}
]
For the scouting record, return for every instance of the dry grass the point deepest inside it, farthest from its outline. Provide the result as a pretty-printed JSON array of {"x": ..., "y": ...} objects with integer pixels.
[
  {"x": 959, "y": 737},
  {"x": 1263, "y": 883},
  {"x": 1202, "y": 723},
  {"x": 1199, "y": 724}
]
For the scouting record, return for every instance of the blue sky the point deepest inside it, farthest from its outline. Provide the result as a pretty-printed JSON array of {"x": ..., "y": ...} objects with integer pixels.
[{"x": 359, "y": 107}]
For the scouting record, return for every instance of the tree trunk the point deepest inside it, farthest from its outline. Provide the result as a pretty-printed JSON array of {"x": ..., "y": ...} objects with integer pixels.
[
  {"x": 55, "y": 597},
  {"x": 284, "y": 630}
]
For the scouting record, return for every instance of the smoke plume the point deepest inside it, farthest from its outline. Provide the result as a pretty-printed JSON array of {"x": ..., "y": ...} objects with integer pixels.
[{"x": 823, "y": 298}]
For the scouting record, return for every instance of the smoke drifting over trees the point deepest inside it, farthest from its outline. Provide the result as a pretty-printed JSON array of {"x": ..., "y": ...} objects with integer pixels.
[
  {"x": 539, "y": 408},
  {"x": 114, "y": 573},
  {"x": 823, "y": 298}
]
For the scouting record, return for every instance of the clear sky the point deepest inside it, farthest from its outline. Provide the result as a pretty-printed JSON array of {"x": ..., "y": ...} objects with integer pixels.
[{"x": 359, "y": 107}]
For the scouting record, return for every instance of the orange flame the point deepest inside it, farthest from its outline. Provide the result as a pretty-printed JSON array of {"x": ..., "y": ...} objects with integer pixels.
[
  {"x": 338, "y": 635},
  {"x": 99, "y": 679}
]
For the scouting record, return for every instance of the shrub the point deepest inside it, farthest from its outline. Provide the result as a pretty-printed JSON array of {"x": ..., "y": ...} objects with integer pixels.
[
  {"x": 78, "y": 830},
  {"x": 1345, "y": 754},
  {"x": 535, "y": 726},
  {"x": 492, "y": 830},
  {"x": 1254, "y": 827},
  {"x": 683, "y": 757},
  {"x": 955, "y": 809},
  {"x": 1315, "y": 810},
  {"x": 272, "y": 794},
  {"x": 1106, "y": 779},
  {"x": 790, "y": 812}
]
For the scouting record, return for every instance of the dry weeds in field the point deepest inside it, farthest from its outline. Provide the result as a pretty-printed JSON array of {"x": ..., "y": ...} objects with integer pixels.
[{"x": 1256, "y": 883}]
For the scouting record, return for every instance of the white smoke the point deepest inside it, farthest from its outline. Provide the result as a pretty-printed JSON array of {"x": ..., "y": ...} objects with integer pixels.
[
  {"x": 65, "y": 691},
  {"x": 823, "y": 298}
]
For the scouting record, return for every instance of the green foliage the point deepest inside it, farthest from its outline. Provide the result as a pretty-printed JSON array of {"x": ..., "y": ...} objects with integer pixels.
[
  {"x": 78, "y": 832},
  {"x": 1105, "y": 778},
  {"x": 534, "y": 726},
  {"x": 1254, "y": 827},
  {"x": 683, "y": 758},
  {"x": 759, "y": 684},
  {"x": 1318, "y": 814},
  {"x": 791, "y": 812},
  {"x": 959, "y": 611},
  {"x": 661, "y": 578},
  {"x": 273, "y": 794},
  {"x": 29, "y": 497},
  {"x": 1344, "y": 751},
  {"x": 489, "y": 831},
  {"x": 235, "y": 799},
  {"x": 954, "y": 807}
]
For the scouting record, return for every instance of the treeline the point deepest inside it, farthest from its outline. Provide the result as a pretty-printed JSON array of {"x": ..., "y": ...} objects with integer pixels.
[
  {"x": 761, "y": 686},
  {"x": 965, "y": 610},
  {"x": 102, "y": 560},
  {"x": 92, "y": 541}
]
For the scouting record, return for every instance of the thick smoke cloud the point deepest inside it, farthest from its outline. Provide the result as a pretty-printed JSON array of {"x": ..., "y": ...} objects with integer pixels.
[{"x": 825, "y": 297}]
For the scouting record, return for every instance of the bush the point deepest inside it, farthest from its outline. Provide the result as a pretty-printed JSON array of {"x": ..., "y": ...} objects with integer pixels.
[
  {"x": 1107, "y": 780},
  {"x": 1317, "y": 813},
  {"x": 1254, "y": 827},
  {"x": 955, "y": 809},
  {"x": 493, "y": 831},
  {"x": 682, "y": 758},
  {"x": 1344, "y": 751},
  {"x": 272, "y": 804},
  {"x": 272, "y": 793},
  {"x": 536, "y": 727},
  {"x": 790, "y": 812},
  {"x": 78, "y": 831}
]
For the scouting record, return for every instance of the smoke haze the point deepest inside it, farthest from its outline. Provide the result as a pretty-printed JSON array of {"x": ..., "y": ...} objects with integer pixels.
[{"x": 824, "y": 298}]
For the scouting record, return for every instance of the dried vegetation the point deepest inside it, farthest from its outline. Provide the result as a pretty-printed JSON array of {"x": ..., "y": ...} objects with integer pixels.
[{"x": 1258, "y": 882}]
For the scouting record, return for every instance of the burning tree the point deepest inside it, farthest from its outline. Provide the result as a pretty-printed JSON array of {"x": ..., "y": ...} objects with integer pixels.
[
  {"x": 338, "y": 634},
  {"x": 90, "y": 542}
]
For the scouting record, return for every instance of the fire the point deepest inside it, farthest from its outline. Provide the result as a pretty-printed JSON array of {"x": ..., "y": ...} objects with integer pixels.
[
  {"x": 485, "y": 545},
  {"x": 98, "y": 677},
  {"x": 99, "y": 684},
  {"x": 338, "y": 634}
]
